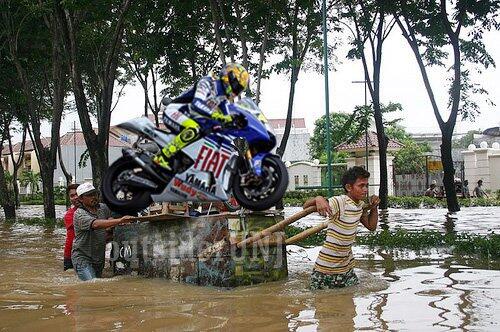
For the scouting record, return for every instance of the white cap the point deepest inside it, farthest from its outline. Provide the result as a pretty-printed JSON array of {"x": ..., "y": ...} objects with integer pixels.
[
  {"x": 434, "y": 182},
  {"x": 85, "y": 188}
]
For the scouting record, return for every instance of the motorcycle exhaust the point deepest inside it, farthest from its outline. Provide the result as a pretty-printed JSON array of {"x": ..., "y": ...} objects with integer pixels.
[
  {"x": 127, "y": 152},
  {"x": 139, "y": 182}
]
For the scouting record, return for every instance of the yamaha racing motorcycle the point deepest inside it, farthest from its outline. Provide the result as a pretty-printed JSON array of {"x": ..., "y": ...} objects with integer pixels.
[{"x": 232, "y": 159}]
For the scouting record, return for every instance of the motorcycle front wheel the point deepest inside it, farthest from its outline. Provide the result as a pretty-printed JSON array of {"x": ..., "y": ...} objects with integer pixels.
[
  {"x": 269, "y": 192},
  {"x": 120, "y": 197}
]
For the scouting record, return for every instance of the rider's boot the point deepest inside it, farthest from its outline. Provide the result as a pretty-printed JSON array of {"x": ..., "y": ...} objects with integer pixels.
[{"x": 185, "y": 137}]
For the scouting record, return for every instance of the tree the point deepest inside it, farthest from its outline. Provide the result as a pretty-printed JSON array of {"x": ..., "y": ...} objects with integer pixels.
[
  {"x": 372, "y": 27},
  {"x": 342, "y": 129},
  {"x": 40, "y": 66},
  {"x": 300, "y": 31},
  {"x": 7, "y": 197},
  {"x": 92, "y": 35},
  {"x": 410, "y": 159},
  {"x": 466, "y": 140},
  {"x": 430, "y": 30},
  {"x": 31, "y": 179}
]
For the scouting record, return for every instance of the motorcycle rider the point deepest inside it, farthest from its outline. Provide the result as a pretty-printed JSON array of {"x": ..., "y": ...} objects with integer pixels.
[{"x": 209, "y": 97}]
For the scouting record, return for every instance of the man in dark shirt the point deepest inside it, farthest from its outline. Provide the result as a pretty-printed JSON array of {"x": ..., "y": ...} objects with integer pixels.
[
  {"x": 90, "y": 222},
  {"x": 479, "y": 191}
]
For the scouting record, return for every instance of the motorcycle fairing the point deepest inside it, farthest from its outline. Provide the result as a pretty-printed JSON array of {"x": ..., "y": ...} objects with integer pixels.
[{"x": 206, "y": 180}]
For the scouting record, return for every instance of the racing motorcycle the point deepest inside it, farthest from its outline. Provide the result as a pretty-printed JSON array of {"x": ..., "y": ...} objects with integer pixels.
[{"x": 229, "y": 160}]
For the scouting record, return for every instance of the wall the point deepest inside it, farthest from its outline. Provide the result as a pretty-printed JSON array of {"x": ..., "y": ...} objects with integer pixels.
[
  {"x": 374, "y": 169},
  {"x": 82, "y": 174},
  {"x": 301, "y": 169},
  {"x": 483, "y": 163}
]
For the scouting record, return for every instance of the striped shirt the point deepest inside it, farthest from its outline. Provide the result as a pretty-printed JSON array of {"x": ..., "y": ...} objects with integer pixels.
[{"x": 336, "y": 256}]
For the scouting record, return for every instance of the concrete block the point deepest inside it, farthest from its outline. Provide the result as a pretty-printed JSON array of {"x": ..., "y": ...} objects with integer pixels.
[{"x": 202, "y": 250}]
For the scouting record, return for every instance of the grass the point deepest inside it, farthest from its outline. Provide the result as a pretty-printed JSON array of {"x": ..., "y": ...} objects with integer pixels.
[{"x": 484, "y": 246}]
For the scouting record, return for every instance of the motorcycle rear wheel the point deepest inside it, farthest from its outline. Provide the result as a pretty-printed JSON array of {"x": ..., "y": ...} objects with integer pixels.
[{"x": 120, "y": 197}]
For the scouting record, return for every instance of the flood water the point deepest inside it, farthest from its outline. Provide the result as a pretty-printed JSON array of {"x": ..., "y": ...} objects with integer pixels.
[{"x": 399, "y": 290}]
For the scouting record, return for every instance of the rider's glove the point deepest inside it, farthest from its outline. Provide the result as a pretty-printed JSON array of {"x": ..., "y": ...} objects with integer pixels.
[{"x": 217, "y": 115}]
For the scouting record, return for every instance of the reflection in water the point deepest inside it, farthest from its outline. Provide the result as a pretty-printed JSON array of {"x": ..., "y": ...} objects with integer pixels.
[
  {"x": 449, "y": 224},
  {"x": 477, "y": 220}
]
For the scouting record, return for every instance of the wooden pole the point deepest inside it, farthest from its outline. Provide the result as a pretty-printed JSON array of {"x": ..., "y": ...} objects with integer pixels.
[
  {"x": 306, "y": 233},
  {"x": 276, "y": 227}
]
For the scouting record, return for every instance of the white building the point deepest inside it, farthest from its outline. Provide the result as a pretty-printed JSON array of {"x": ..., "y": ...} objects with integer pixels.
[
  {"x": 358, "y": 158},
  {"x": 483, "y": 163},
  {"x": 297, "y": 147}
]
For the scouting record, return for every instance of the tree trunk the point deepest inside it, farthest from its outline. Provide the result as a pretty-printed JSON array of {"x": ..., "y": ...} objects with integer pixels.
[
  {"x": 17, "y": 164},
  {"x": 99, "y": 143},
  {"x": 242, "y": 35},
  {"x": 226, "y": 31},
  {"x": 67, "y": 176},
  {"x": 218, "y": 39},
  {"x": 449, "y": 169},
  {"x": 7, "y": 202},
  {"x": 261, "y": 58},
  {"x": 382, "y": 145},
  {"x": 293, "y": 81},
  {"x": 48, "y": 194}
]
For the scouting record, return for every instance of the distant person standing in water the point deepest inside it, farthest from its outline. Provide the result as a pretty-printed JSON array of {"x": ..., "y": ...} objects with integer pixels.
[
  {"x": 68, "y": 223},
  {"x": 478, "y": 191},
  {"x": 465, "y": 189},
  {"x": 432, "y": 191}
]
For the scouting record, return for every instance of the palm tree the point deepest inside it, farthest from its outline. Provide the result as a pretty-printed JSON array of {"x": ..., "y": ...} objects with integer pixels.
[{"x": 31, "y": 179}]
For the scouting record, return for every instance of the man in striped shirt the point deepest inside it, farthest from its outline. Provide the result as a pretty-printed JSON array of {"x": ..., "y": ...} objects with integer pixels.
[{"x": 335, "y": 264}]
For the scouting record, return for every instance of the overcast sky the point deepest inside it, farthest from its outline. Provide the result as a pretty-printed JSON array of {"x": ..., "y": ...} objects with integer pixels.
[{"x": 400, "y": 82}]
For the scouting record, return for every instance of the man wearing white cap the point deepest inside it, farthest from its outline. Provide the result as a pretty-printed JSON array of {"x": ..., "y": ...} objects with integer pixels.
[{"x": 90, "y": 221}]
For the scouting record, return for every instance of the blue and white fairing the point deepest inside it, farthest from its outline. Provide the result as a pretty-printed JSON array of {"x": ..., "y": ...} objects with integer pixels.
[
  {"x": 214, "y": 156},
  {"x": 207, "y": 179}
]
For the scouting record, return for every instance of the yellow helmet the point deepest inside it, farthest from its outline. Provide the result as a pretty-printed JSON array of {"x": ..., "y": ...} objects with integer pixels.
[{"x": 235, "y": 78}]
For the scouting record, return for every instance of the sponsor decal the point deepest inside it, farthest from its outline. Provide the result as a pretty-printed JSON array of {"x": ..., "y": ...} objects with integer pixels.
[
  {"x": 183, "y": 188},
  {"x": 200, "y": 184},
  {"x": 175, "y": 115},
  {"x": 211, "y": 160},
  {"x": 171, "y": 124},
  {"x": 177, "y": 192}
]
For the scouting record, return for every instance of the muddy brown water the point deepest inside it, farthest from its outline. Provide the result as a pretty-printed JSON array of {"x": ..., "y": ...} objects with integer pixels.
[{"x": 399, "y": 290}]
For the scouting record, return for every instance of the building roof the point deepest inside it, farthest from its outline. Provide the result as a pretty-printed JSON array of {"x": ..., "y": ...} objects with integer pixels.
[
  {"x": 65, "y": 140},
  {"x": 372, "y": 144},
  {"x": 27, "y": 148},
  {"x": 280, "y": 123},
  {"x": 79, "y": 140}
]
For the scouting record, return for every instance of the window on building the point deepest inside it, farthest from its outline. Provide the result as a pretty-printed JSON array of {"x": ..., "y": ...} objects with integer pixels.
[
  {"x": 296, "y": 180},
  {"x": 27, "y": 161},
  {"x": 306, "y": 180}
]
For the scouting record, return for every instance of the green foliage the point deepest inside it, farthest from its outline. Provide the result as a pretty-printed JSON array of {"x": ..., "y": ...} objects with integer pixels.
[
  {"x": 466, "y": 140},
  {"x": 342, "y": 129},
  {"x": 420, "y": 202},
  {"x": 347, "y": 128},
  {"x": 464, "y": 244},
  {"x": 486, "y": 246},
  {"x": 298, "y": 197},
  {"x": 31, "y": 179},
  {"x": 313, "y": 240},
  {"x": 411, "y": 158}
]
